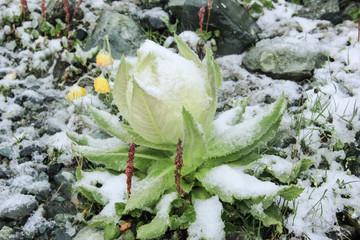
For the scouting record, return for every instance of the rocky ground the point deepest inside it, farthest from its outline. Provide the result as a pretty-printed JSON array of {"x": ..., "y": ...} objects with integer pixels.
[{"x": 294, "y": 49}]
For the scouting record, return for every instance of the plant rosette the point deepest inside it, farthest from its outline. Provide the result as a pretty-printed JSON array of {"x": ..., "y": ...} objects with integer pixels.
[{"x": 164, "y": 97}]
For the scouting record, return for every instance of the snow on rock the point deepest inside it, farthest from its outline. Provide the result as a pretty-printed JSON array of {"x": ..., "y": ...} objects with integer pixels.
[
  {"x": 35, "y": 221},
  {"x": 17, "y": 205}
]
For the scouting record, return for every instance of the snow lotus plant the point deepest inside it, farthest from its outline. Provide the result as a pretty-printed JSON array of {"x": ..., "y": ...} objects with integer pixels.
[{"x": 167, "y": 99}]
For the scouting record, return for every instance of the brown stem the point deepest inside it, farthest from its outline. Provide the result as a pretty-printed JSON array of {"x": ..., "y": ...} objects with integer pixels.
[
  {"x": 210, "y": 3},
  {"x": 77, "y": 8}
]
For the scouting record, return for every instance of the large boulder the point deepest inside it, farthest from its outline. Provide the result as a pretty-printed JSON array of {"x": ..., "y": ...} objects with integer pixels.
[
  {"x": 237, "y": 28},
  {"x": 123, "y": 32},
  {"x": 282, "y": 60},
  {"x": 322, "y": 9}
]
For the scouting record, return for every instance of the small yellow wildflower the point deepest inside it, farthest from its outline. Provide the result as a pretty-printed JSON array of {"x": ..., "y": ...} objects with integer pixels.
[
  {"x": 76, "y": 92},
  {"x": 104, "y": 59},
  {"x": 101, "y": 85}
]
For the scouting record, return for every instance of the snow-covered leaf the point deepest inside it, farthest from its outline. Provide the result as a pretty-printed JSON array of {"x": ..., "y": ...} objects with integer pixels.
[
  {"x": 243, "y": 138},
  {"x": 121, "y": 87},
  {"x": 230, "y": 183}
]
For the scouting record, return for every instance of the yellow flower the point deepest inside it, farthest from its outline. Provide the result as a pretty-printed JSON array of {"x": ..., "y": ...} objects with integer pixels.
[
  {"x": 76, "y": 92},
  {"x": 104, "y": 59},
  {"x": 101, "y": 85}
]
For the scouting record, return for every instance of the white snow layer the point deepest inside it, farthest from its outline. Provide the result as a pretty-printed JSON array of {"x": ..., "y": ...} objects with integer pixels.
[{"x": 208, "y": 224}]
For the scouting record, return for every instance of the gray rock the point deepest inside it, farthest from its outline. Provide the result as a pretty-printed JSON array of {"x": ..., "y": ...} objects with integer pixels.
[
  {"x": 55, "y": 9},
  {"x": 29, "y": 150},
  {"x": 123, "y": 32},
  {"x": 6, "y": 150},
  {"x": 5, "y": 232},
  {"x": 237, "y": 28},
  {"x": 60, "y": 235},
  {"x": 64, "y": 178},
  {"x": 3, "y": 174},
  {"x": 153, "y": 17},
  {"x": 89, "y": 233},
  {"x": 17, "y": 206},
  {"x": 322, "y": 9},
  {"x": 176, "y": 7},
  {"x": 283, "y": 60}
]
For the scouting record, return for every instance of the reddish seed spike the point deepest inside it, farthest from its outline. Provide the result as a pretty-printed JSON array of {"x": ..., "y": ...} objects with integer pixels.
[
  {"x": 67, "y": 15},
  {"x": 24, "y": 7},
  {"x": 179, "y": 165},
  {"x": 201, "y": 19},
  {"x": 43, "y": 10},
  {"x": 130, "y": 167}
]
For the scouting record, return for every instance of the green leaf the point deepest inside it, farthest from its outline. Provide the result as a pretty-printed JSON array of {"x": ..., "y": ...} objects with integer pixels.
[
  {"x": 121, "y": 88},
  {"x": 243, "y": 138},
  {"x": 112, "y": 125},
  {"x": 92, "y": 194},
  {"x": 257, "y": 8},
  {"x": 290, "y": 193},
  {"x": 186, "y": 52},
  {"x": 100, "y": 222},
  {"x": 194, "y": 144},
  {"x": 178, "y": 203},
  {"x": 213, "y": 82},
  {"x": 159, "y": 224},
  {"x": 269, "y": 216},
  {"x": 111, "y": 232},
  {"x": 159, "y": 179},
  {"x": 304, "y": 165},
  {"x": 199, "y": 193},
  {"x": 119, "y": 208},
  {"x": 77, "y": 138},
  {"x": 78, "y": 173},
  {"x": 150, "y": 117},
  {"x": 354, "y": 14}
]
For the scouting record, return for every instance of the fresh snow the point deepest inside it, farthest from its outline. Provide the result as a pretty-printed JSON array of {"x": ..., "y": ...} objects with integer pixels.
[
  {"x": 317, "y": 206},
  {"x": 208, "y": 224},
  {"x": 231, "y": 181}
]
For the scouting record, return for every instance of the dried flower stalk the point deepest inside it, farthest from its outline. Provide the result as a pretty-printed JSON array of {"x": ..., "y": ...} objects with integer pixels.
[
  {"x": 201, "y": 19},
  {"x": 67, "y": 15},
  {"x": 24, "y": 7},
  {"x": 179, "y": 165},
  {"x": 77, "y": 8},
  {"x": 43, "y": 10},
  {"x": 130, "y": 167}
]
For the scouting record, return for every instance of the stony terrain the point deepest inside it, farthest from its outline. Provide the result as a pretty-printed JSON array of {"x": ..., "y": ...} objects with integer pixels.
[{"x": 309, "y": 55}]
